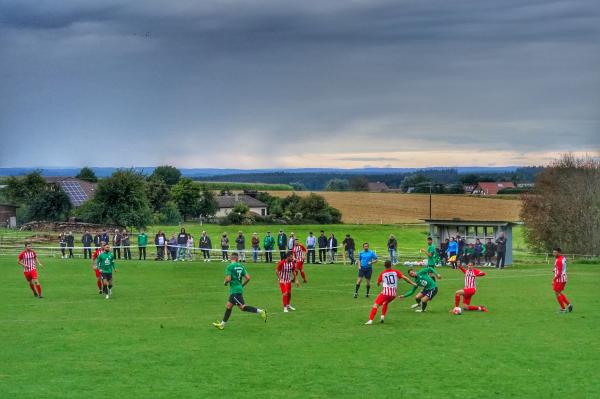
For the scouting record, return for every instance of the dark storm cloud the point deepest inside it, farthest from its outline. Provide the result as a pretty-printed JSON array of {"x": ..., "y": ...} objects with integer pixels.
[{"x": 337, "y": 77}]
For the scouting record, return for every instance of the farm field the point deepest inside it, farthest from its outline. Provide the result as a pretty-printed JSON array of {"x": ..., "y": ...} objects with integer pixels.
[
  {"x": 372, "y": 208},
  {"x": 155, "y": 339}
]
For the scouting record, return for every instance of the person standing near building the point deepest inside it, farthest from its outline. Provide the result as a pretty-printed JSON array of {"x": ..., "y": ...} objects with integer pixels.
[
  {"x": 478, "y": 253},
  {"x": 87, "y": 241},
  {"x": 490, "y": 250},
  {"x": 255, "y": 242},
  {"x": 181, "y": 243},
  {"x": 205, "y": 246},
  {"x": 332, "y": 245},
  {"x": 28, "y": 260},
  {"x": 282, "y": 244},
  {"x": 240, "y": 245},
  {"x": 173, "y": 247},
  {"x": 126, "y": 243},
  {"x": 70, "y": 239},
  {"x": 452, "y": 252},
  {"x": 224, "y": 247},
  {"x": 116, "y": 241},
  {"x": 269, "y": 245},
  {"x": 322, "y": 247},
  {"x": 349, "y": 247},
  {"x": 500, "y": 251},
  {"x": 311, "y": 242},
  {"x": 142, "y": 242},
  {"x": 392, "y": 246},
  {"x": 160, "y": 241}
]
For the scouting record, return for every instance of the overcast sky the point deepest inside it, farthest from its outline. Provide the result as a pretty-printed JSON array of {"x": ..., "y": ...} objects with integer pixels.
[{"x": 270, "y": 83}]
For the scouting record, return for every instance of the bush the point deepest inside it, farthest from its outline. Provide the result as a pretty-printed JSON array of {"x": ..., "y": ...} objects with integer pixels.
[{"x": 168, "y": 215}]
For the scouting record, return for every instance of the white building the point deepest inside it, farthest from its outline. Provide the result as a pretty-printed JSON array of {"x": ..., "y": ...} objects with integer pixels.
[{"x": 227, "y": 202}]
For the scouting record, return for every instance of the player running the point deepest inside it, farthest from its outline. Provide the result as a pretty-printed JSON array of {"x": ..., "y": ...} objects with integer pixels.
[
  {"x": 299, "y": 252},
  {"x": 432, "y": 255},
  {"x": 106, "y": 263},
  {"x": 287, "y": 274},
  {"x": 423, "y": 278},
  {"x": 28, "y": 260},
  {"x": 470, "y": 288},
  {"x": 366, "y": 258},
  {"x": 95, "y": 255},
  {"x": 237, "y": 278},
  {"x": 389, "y": 277},
  {"x": 560, "y": 281}
]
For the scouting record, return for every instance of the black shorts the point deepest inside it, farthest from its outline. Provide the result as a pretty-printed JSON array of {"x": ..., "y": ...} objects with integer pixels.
[
  {"x": 365, "y": 272},
  {"x": 236, "y": 299},
  {"x": 430, "y": 293},
  {"x": 106, "y": 276}
]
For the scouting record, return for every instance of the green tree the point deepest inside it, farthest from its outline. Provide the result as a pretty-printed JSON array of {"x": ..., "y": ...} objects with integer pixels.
[
  {"x": 359, "y": 183},
  {"x": 158, "y": 193},
  {"x": 186, "y": 195},
  {"x": 120, "y": 199},
  {"x": 337, "y": 185},
  {"x": 414, "y": 181},
  {"x": 87, "y": 174},
  {"x": 169, "y": 174},
  {"x": 53, "y": 205},
  {"x": 240, "y": 208},
  {"x": 168, "y": 214},
  {"x": 470, "y": 178},
  {"x": 207, "y": 205},
  {"x": 23, "y": 190}
]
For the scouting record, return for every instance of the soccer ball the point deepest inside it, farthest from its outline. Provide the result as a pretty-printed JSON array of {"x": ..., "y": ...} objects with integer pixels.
[{"x": 457, "y": 310}]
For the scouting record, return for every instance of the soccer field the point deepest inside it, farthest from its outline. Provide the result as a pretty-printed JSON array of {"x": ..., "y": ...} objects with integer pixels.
[{"x": 154, "y": 338}]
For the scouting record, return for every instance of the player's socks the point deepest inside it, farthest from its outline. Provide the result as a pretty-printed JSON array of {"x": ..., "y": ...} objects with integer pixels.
[
  {"x": 250, "y": 309},
  {"x": 356, "y": 288},
  {"x": 39, "y": 289},
  {"x": 303, "y": 275},
  {"x": 456, "y": 300},
  {"x": 226, "y": 315},
  {"x": 470, "y": 307},
  {"x": 368, "y": 289},
  {"x": 99, "y": 283},
  {"x": 565, "y": 300},
  {"x": 423, "y": 306},
  {"x": 373, "y": 313},
  {"x": 560, "y": 301},
  {"x": 384, "y": 310},
  {"x": 382, "y": 319},
  {"x": 32, "y": 288}
]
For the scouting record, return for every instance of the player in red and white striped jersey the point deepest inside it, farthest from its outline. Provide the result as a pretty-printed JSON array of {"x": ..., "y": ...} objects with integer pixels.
[
  {"x": 28, "y": 260},
  {"x": 299, "y": 252},
  {"x": 389, "y": 280},
  {"x": 470, "y": 288},
  {"x": 560, "y": 281},
  {"x": 98, "y": 251},
  {"x": 286, "y": 274}
]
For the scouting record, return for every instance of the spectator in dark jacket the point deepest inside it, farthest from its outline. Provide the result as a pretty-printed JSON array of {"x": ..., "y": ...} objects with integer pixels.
[
  {"x": 332, "y": 245},
  {"x": 173, "y": 246},
  {"x": 126, "y": 243},
  {"x": 182, "y": 239},
  {"x": 97, "y": 240},
  {"x": 87, "y": 241},
  {"x": 392, "y": 246},
  {"x": 70, "y": 243},
  {"x": 117, "y": 244},
  {"x": 240, "y": 245},
  {"x": 105, "y": 237},
  {"x": 224, "y": 247},
  {"x": 500, "y": 251},
  {"x": 490, "y": 250},
  {"x": 205, "y": 246},
  {"x": 322, "y": 247},
  {"x": 282, "y": 243},
  {"x": 160, "y": 240},
  {"x": 349, "y": 247},
  {"x": 478, "y": 252},
  {"x": 269, "y": 244},
  {"x": 63, "y": 244},
  {"x": 255, "y": 247}
]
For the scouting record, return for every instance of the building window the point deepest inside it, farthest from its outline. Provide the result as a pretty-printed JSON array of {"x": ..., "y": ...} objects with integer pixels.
[{"x": 263, "y": 212}]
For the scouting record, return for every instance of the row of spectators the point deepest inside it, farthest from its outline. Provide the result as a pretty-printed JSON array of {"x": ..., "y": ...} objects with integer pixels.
[{"x": 456, "y": 250}]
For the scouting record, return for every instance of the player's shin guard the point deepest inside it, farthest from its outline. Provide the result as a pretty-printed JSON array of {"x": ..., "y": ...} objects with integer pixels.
[
  {"x": 250, "y": 309},
  {"x": 423, "y": 306},
  {"x": 226, "y": 315},
  {"x": 456, "y": 300},
  {"x": 368, "y": 289},
  {"x": 373, "y": 313},
  {"x": 39, "y": 289},
  {"x": 560, "y": 301},
  {"x": 564, "y": 299},
  {"x": 470, "y": 307},
  {"x": 104, "y": 289},
  {"x": 418, "y": 300},
  {"x": 384, "y": 309},
  {"x": 32, "y": 288},
  {"x": 356, "y": 288},
  {"x": 99, "y": 284},
  {"x": 303, "y": 275}
]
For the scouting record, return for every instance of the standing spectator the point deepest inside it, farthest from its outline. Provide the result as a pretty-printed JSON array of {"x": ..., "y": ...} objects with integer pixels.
[
  {"x": 349, "y": 247},
  {"x": 269, "y": 244},
  {"x": 182, "y": 239},
  {"x": 97, "y": 240},
  {"x": 160, "y": 241},
  {"x": 63, "y": 244},
  {"x": 224, "y": 248},
  {"x": 291, "y": 241},
  {"x": 116, "y": 242},
  {"x": 500, "y": 251},
  {"x": 479, "y": 247},
  {"x": 444, "y": 251},
  {"x": 452, "y": 252},
  {"x": 282, "y": 244},
  {"x": 87, "y": 241},
  {"x": 490, "y": 249},
  {"x": 332, "y": 248},
  {"x": 255, "y": 247},
  {"x": 205, "y": 246},
  {"x": 240, "y": 245},
  {"x": 142, "y": 242},
  {"x": 126, "y": 243},
  {"x": 392, "y": 246},
  {"x": 105, "y": 237},
  {"x": 189, "y": 247},
  {"x": 70, "y": 243},
  {"x": 174, "y": 247},
  {"x": 311, "y": 242},
  {"x": 469, "y": 254},
  {"x": 461, "y": 247},
  {"x": 322, "y": 247}
]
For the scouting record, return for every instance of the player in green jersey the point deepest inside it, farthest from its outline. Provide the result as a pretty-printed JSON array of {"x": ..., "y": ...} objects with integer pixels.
[
  {"x": 424, "y": 279},
  {"x": 105, "y": 262},
  {"x": 430, "y": 252},
  {"x": 237, "y": 277}
]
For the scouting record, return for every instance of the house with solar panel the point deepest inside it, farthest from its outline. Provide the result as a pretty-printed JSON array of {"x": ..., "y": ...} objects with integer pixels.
[{"x": 77, "y": 190}]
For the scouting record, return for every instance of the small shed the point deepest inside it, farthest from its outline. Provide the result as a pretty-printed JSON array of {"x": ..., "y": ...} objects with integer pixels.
[
  {"x": 8, "y": 215},
  {"x": 471, "y": 230}
]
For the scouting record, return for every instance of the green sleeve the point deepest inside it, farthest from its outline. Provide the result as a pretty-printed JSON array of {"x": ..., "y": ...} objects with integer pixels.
[{"x": 410, "y": 292}]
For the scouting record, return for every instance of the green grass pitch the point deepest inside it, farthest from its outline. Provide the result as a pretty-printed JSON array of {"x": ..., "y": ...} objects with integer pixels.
[{"x": 154, "y": 339}]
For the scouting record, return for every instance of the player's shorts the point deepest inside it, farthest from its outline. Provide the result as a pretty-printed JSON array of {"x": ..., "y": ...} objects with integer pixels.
[
  {"x": 98, "y": 274},
  {"x": 106, "y": 276},
  {"x": 299, "y": 264},
  {"x": 237, "y": 299},
  {"x": 381, "y": 299},
  {"x": 365, "y": 272},
  {"x": 430, "y": 293},
  {"x": 468, "y": 294},
  {"x": 558, "y": 287},
  {"x": 285, "y": 287},
  {"x": 32, "y": 275}
]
